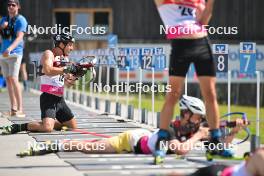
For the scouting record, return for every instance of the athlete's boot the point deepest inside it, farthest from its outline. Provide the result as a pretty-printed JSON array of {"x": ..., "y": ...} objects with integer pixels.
[
  {"x": 217, "y": 148},
  {"x": 161, "y": 147},
  {"x": 40, "y": 149},
  {"x": 10, "y": 129}
]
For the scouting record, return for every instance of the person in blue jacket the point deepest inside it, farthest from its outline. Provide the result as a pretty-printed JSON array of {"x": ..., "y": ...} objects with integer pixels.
[{"x": 12, "y": 30}]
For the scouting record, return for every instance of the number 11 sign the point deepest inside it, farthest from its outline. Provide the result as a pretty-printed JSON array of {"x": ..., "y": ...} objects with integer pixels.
[{"x": 247, "y": 57}]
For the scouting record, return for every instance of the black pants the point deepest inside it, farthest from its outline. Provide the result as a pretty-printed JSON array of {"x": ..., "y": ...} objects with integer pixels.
[
  {"x": 187, "y": 51},
  {"x": 54, "y": 107}
]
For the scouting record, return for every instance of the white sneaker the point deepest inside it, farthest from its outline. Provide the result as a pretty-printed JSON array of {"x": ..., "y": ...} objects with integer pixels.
[{"x": 20, "y": 114}]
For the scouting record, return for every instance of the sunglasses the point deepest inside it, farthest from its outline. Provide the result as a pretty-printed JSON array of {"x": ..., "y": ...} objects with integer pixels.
[{"x": 13, "y": 5}]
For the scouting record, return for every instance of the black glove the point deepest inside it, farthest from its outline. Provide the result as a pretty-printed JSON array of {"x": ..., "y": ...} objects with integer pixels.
[{"x": 80, "y": 71}]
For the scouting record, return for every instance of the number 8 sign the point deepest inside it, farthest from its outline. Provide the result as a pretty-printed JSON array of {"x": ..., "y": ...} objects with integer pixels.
[
  {"x": 247, "y": 57},
  {"x": 220, "y": 52}
]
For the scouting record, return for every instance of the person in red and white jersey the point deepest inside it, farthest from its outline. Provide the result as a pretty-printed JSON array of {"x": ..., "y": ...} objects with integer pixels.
[{"x": 182, "y": 18}]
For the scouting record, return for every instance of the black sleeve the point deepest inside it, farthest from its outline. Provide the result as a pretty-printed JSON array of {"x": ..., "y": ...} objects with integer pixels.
[{"x": 172, "y": 133}]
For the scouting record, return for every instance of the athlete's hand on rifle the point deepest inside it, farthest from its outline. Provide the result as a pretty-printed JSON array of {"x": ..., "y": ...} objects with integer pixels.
[
  {"x": 80, "y": 68},
  {"x": 203, "y": 132},
  {"x": 240, "y": 124}
]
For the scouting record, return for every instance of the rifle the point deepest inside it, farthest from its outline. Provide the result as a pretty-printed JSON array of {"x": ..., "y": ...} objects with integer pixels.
[
  {"x": 224, "y": 124},
  {"x": 84, "y": 65}
]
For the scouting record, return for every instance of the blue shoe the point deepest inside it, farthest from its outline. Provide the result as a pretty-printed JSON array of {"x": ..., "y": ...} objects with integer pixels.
[
  {"x": 217, "y": 152},
  {"x": 159, "y": 157},
  {"x": 163, "y": 136},
  {"x": 227, "y": 153}
]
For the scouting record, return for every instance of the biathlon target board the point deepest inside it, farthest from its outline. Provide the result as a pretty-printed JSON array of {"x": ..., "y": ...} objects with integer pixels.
[
  {"x": 220, "y": 53},
  {"x": 102, "y": 57},
  {"x": 247, "y": 57},
  {"x": 122, "y": 58},
  {"x": 111, "y": 57}
]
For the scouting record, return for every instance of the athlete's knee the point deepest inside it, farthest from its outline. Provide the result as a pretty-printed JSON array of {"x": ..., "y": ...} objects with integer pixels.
[
  {"x": 71, "y": 123},
  {"x": 48, "y": 128},
  {"x": 74, "y": 126}
]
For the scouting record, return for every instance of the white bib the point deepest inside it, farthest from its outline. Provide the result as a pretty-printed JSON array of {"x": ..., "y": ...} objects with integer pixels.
[{"x": 53, "y": 84}]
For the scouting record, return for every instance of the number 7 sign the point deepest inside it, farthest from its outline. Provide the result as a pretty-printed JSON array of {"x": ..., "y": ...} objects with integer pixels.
[{"x": 247, "y": 57}]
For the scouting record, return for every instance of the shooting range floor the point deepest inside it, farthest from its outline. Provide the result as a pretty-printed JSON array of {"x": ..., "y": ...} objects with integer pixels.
[{"x": 76, "y": 163}]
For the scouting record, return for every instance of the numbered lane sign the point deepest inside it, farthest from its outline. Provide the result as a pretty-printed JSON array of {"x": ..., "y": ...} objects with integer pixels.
[
  {"x": 159, "y": 59},
  {"x": 101, "y": 57},
  {"x": 111, "y": 57},
  {"x": 122, "y": 58},
  {"x": 159, "y": 63},
  {"x": 159, "y": 51},
  {"x": 146, "y": 58},
  {"x": 220, "y": 53},
  {"x": 134, "y": 58},
  {"x": 103, "y": 60},
  {"x": 247, "y": 57}
]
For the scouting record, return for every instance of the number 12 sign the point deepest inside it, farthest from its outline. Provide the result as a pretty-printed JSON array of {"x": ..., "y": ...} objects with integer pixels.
[
  {"x": 247, "y": 57},
  {"x": 220, "y": 52},
  {"x": 146, "y": 58}
]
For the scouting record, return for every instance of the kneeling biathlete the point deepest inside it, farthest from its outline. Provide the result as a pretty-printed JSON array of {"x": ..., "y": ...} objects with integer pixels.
[
  {"x": 184, "y": 134},
  {"x": 54, "y": 111}
]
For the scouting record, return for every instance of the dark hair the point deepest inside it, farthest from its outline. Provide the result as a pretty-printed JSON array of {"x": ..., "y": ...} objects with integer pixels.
[{"x": 14, "y": 1}]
